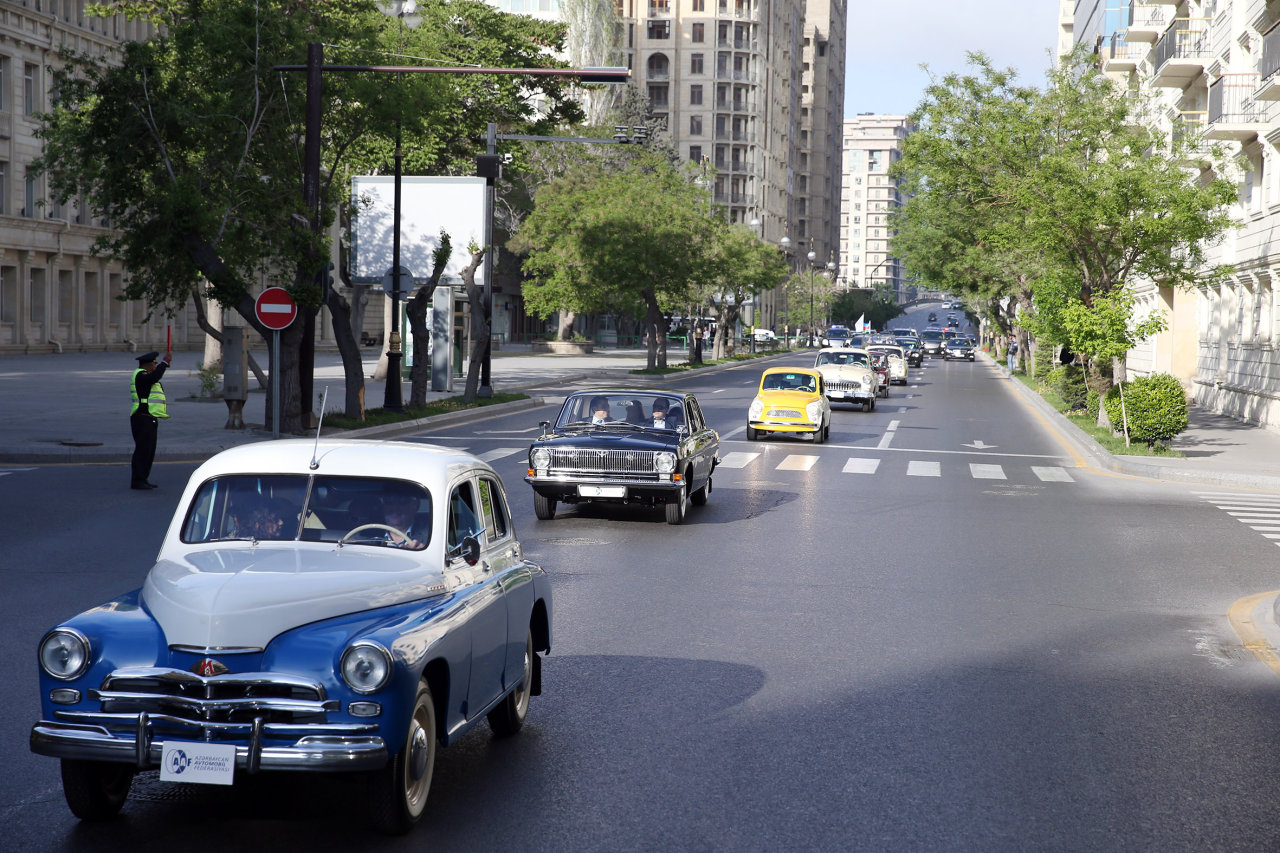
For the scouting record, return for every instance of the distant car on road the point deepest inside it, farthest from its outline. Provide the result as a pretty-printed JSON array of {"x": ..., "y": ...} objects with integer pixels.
[
  {"x": 848, "y": 377},
  {"x": 959, "y": 348},
  {"x": 836, "y": 336},
  {"x": 931, "y": 341},
  {"x": 790, "y": 400},
  {"x": 608, "y": 446}
]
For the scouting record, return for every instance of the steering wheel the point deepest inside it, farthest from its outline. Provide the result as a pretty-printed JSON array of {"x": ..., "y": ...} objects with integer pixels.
[{"x": 387, "y": 527}]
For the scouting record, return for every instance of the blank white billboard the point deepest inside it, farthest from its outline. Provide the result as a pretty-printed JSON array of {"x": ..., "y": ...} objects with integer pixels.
[{"x": 427, "y": 205}]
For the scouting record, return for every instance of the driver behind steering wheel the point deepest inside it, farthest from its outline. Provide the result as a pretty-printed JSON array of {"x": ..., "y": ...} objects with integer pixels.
[{"x": 401, "y": 512}]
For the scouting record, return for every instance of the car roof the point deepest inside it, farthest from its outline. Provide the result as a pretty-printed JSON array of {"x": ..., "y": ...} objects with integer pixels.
[{"x": 809, "y": 370}]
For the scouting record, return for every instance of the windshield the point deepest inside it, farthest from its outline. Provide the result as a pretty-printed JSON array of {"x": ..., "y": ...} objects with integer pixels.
[
  {"x": 841, "y": 358},
  {"x": 786, "y": 381},
  {"x": 931, "y": 335},
  {"x": 655, "y": 411},
  {"x": 286, "y": 507}
]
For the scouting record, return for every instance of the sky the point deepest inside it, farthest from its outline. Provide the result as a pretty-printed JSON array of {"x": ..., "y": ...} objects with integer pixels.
[{"x": 888, "y": 40}]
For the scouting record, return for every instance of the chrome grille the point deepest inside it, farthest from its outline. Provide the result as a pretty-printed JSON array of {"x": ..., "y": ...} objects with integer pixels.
[
  {"x": 587, "y": 460},
  {"x": 238, "y": 698},
  {"x": 848, "y": 385},
  {"x": 785, "y": 413}
]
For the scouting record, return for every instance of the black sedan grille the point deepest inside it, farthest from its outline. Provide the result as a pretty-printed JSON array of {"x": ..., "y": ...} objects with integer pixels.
[{"x": 604, "y": 462}]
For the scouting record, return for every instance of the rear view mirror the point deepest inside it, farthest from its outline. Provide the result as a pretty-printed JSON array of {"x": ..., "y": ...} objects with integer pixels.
[{"x": 468, "y": 549}]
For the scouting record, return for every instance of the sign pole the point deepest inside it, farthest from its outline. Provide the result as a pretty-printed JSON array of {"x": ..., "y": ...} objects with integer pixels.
[{"x": 275, "y": 384}]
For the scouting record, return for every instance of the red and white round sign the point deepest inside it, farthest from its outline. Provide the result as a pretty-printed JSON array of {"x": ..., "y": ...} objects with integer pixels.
[{"x": 275, "y": 308}]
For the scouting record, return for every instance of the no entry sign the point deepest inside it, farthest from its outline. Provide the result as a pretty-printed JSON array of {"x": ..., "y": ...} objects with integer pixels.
[{"x": 275, "y": 308}]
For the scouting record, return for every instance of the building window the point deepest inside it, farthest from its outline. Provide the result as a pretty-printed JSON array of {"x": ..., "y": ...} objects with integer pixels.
[
  {"x": 4, "y": 187},
  {"x": 695, "y": 153},
  {"x": 699, "y": 5},
  {"x": 695, "y": 125},
  {"x": 698, "y": 34},
  {"x": 659, "y": 29},
  {"x": 30, "y": 87},
  {"x": 29, "y": 197},
  {"x": 695, "y": 63},
  {"x": 695, "y": 93},
  {"x": 4, "y": 83},
  {"x": 658, "y": 95}
]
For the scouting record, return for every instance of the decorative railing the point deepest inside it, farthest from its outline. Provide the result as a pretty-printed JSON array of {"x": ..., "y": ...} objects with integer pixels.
[
  {"x": 1231, "y": 99},
  {"x": 1187, "y": 38}
]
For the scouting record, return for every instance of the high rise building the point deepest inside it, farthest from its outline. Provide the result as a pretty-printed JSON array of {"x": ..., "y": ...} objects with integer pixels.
[
  {"x": 869, "y": 196},
  {"x": 1208, "y": 70}
]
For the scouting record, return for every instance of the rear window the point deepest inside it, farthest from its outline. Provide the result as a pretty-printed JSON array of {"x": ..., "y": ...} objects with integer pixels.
[{"x": 931, "y": 335}]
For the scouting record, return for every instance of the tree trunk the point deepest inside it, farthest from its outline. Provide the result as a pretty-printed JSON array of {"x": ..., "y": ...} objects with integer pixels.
[
  {"x": 564, "y": 330},
  {"x": 416, "y": 311},
  {"x": 349, "y": 349},
  {"x": 202, "y": 320},
  {"x": 480, "y": 337}
]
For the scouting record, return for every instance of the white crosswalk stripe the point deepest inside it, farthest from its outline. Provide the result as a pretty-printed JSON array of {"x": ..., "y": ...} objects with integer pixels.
[
  {"x": 924, "y": 469},
  {"x": 986, "y": 472},
  {"x": 861, "y": 466},
  {"x": 500, "y": 452},
  {"x": 1050, "y": 474},
  {"x": 1260, "y": 512},
  {"x": 797, "y": 462},
  {"x": 737, "y": 460}
]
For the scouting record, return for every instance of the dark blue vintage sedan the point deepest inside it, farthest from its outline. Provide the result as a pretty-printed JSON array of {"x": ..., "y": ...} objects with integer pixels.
[
  {"x": 330, "y": 606},
  {"x": 624, "y": 446}
]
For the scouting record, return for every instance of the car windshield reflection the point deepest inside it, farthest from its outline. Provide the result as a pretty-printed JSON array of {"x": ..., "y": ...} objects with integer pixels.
[{"x": 648, "y": 411}]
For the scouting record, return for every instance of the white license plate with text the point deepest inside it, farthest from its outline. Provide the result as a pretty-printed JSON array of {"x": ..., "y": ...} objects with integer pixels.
[{"x": 602, "y": 491}]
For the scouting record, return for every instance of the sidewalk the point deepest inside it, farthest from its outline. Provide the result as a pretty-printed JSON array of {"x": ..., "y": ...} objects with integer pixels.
[
  {"x": 1217, "y": 450},
  {"x": 73, "y": 407}
]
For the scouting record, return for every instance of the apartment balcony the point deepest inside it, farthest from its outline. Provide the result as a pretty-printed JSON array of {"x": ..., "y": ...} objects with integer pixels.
[
  {"x": 1233, "y": 111},
  {"x": 735, "y": 136},
  {"x": 1269, "y": 66},
  {"x": 1147, "y": 21},
  {"x": 1189, "y": 129},
  {"x": 1181, "y": 53},
  {"x": 734, "y": 197},
  {"x": 1119, "y": 56},
  {"x": 736, "y": 76}
]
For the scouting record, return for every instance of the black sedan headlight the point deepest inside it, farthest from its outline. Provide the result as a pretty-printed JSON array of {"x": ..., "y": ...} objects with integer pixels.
[{"x": 64, "y": 654}]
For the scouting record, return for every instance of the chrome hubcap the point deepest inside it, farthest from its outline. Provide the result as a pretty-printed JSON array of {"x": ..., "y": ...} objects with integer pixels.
[{"x": 419, "y": 750}]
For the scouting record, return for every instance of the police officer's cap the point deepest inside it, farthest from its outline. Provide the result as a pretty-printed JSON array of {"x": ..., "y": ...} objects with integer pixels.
[{"x": 148, "y": 357}]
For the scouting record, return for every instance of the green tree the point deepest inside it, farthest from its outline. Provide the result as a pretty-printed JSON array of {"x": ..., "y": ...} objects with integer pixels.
[
  {"x": 876, "y": 308},
  {"x": 1050, "y": 201},
  {"x": 191, "y": 144},
  {"x": 740, "y": 267},
  {"x": 633, "y": 233}
]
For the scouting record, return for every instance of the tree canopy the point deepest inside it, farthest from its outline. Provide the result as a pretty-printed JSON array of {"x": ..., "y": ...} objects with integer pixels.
[{"x": 1050, "y": 201}]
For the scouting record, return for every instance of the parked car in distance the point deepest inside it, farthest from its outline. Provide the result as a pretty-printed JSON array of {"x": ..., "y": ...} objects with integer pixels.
[
  {"x": 848, "y": 377},
  {"x": 608, "y": 445},
  {"x": 933, "y": 316},
  {"x": 316, "y": 606},
  {"x": 763, "y": 336},
  {"x": 790, "y": 400},
  {"x": 959, "y": 348}
]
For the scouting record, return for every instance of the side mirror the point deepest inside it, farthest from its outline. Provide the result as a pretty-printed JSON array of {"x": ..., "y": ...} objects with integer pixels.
[
  {"x": 545, "y": 426},
  {"x": 468, "y": 549}
]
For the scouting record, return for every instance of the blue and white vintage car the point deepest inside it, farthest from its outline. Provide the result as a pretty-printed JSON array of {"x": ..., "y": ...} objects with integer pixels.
[{"x": 343, "y": 606}]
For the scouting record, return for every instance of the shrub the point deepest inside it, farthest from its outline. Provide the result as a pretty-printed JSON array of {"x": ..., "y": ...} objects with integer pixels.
[
  {"x": 1068, "y": 383},
  {"x": 1156, "y": 406},
  {"x": 1093, "y": 403},
  {"x": 1044, "y": 364},
  {"x": 210, "y": 376}
]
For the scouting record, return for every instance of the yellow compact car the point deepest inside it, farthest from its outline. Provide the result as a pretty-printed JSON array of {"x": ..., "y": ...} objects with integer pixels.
[{"x": 790, "y": 399}]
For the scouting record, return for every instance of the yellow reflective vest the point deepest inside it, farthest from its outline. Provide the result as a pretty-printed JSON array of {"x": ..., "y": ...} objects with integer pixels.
[{"x": 154, "y": 400}]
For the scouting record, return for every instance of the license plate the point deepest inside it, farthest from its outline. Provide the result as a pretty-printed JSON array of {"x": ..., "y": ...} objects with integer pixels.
[
  {"x": 602, "y": 491},
  {"x": 840, "y": 394},
  {"x": 198, "y": 763}
]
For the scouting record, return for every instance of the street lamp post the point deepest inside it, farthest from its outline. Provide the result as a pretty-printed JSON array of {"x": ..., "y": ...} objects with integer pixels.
[
  {"x": 785, "y": 245},
  {"x": 812, "y": 256}
]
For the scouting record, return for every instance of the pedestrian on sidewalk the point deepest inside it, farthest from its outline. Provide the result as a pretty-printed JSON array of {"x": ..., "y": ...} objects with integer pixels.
[
  {"x": 1012, "y": 352},
  {"x": 697, "y": 343},
  {"x": 149, "y": 406}
]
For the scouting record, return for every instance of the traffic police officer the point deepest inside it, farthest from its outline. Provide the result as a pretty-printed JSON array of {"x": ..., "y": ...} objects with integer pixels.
[{"x": 148, "y": 407}]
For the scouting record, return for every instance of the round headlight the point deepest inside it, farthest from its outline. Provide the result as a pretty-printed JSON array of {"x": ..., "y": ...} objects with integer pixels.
[
  {"x": 756, "y": 410},
  {"x": 366, "y": 667},
  {"x": 814, "y": 411},
  {"x": 866, "y": 379},
  {"x": 64, "y": 654},
  {"x": 540, "y": 457},
  {"x": 665, "y": 462}
]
